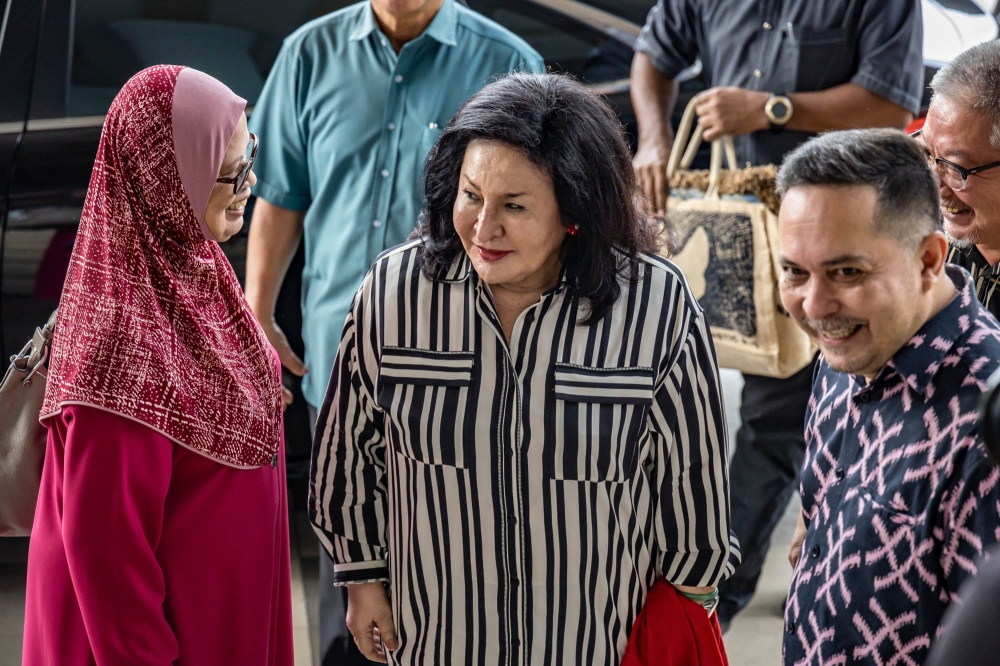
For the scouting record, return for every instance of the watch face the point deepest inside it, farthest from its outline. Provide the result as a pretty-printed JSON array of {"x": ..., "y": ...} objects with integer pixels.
[{"x": 779, "y": 109}]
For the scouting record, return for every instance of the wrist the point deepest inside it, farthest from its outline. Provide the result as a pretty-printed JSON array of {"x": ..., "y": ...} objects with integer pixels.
[
  {"x": 760, "y": 100},
  {"x": 259, "y": 306},
  {"x": 655, "y": 138}
]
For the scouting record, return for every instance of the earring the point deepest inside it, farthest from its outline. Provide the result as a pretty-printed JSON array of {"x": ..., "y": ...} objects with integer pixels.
[{"x": 573, "y": 229}]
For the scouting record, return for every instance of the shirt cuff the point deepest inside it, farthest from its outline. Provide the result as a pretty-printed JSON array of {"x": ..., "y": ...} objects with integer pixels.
[
  {"x": 357, "y": 573},
  {"x": 883, "y": 88},
  {"x": 278, "y": 197}
]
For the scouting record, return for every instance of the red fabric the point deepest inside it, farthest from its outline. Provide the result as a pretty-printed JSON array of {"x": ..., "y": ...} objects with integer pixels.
[
  {"x": 143, "y": 552},
  {"x": 917, "y": 123},
  {"x": 672, "y": 630},
  {"x": 152, "y": 322}
]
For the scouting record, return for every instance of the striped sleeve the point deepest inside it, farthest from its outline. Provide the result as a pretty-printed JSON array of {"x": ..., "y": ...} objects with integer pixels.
[
  {"x": 347, "y": 503},
  {"x": 690, "y": 461}
]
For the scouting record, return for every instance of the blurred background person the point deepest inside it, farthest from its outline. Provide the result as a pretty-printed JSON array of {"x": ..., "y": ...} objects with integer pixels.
[
  {"x": 352, "y": 106},
  {"x": 961, "y": 136},
  {"x": 899, "y": 499},
  {"x": 524, "y": 428},
  {"x": 161, "y": 530},
  {"x": 778, "y": 73},
  {"x": 971, "y": 638}
]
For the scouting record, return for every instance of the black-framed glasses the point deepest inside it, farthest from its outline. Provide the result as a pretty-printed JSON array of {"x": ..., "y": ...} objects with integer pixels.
[
  {"x": 951, "y": 174},
  {"x": 241, "y": 178}
]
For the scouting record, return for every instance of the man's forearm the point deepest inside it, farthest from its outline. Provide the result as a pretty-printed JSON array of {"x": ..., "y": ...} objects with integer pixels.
[
  {"x": 274, "y": 236},
  {"x": 653, "y": 99},
  {"x": 847, "y": 106}
]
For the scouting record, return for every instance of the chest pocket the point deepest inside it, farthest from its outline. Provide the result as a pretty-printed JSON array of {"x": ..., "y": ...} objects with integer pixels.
[
  {"x": 429, "y": 135},
  {"x": 423, "y": 393},
  {"x": 600, "y": 422},
  {"x": 826, "y": 58}
]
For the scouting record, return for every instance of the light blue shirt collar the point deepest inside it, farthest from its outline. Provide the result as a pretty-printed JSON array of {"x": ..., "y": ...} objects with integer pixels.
[{"x": 442, "y": 28}]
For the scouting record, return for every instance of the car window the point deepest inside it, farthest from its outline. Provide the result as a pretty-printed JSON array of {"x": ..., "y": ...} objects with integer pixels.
[
  {"x": 235, "y": 41},
  {"x": 566, "y": 44}
]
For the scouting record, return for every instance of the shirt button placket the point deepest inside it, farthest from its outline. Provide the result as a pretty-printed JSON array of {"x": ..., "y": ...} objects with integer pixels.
[{"x": 389, "y": 152}]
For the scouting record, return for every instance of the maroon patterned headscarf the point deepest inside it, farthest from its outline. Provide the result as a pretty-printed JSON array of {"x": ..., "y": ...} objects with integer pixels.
[{"x": 152, "y": 323}]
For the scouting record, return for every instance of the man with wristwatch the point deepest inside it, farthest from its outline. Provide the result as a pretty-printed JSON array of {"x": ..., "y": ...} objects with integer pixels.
[{"x": 779, "y": 72}]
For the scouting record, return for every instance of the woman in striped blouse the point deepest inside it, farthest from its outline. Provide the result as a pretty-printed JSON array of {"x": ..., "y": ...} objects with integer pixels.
[{"x": 524, "y": 428}]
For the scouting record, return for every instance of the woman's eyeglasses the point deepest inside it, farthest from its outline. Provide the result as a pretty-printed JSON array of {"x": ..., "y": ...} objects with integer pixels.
[
  {"x": 951, "y": 174},
  {"x": 241, "y": 178}
]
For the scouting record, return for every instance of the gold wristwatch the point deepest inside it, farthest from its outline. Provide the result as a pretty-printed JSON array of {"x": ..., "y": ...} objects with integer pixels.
[{"x": 779, "y": 111}]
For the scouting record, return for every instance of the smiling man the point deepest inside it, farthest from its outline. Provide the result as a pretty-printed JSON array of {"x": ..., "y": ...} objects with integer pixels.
[
  {"x": 898, "y": 498},
  {"x": 961, "y": 137}
]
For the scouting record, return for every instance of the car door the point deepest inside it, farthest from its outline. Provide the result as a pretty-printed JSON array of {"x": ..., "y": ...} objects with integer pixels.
[{"x": 20, "y": 27}]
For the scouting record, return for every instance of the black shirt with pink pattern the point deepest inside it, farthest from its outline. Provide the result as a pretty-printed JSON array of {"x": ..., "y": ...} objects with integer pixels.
[{"x": 899, "y": 496}]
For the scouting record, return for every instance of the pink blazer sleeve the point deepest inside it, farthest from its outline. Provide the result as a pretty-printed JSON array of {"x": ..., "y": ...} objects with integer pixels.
[{"x": 116, "y": 478}]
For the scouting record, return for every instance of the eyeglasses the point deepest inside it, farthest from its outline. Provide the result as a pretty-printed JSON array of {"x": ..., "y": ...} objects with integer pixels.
[
  {"x": 951, "y": 174},
  {"x": 241, "y": 178}
]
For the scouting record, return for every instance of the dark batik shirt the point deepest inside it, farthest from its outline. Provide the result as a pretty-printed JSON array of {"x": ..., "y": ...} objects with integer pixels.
[
  {"x": 899, "y": 497},
  {"x": 985, "y": 277},
  {"x": 788, "y": 46}
]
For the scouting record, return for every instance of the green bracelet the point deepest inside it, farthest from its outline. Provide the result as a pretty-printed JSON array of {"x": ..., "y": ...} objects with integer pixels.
[{"x": 702, "y": 598}]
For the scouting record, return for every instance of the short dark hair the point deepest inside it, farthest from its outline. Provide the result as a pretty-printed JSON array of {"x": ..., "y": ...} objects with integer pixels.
[
  {"x": 907, "y": 205},
  {"x": 571, "y": 134},
  {"x": 972, "y": 80}
]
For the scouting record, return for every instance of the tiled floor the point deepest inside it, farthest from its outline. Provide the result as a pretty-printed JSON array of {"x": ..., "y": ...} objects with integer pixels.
[{"x": 753, "y": 640}]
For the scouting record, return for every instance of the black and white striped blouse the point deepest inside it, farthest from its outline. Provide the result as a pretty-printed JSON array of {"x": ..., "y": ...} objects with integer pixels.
[{"x": 521, "y": 499}]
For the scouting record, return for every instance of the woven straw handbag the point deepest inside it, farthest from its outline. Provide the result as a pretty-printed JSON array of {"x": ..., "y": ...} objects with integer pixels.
[{"x": 723, "y": 230}]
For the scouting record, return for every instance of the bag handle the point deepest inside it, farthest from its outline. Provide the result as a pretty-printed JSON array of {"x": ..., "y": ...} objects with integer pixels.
[{"x": 683, "y": 152}]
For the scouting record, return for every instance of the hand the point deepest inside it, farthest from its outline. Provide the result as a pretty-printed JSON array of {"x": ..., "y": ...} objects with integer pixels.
[
  {"x": 797, "y": 540},
  {"x": 650, "y": 165},
  {"x": 731, "y": 111},
  {"x": 369, "y": 619},
  {"x": 289, "y": 359}
]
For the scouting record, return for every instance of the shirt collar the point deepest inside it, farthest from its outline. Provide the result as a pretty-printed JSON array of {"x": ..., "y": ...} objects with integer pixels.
[
  {"x": 442, "y": 28},
  {"x": 933, "y": 345},
  {"x": 977, "y": 259}
]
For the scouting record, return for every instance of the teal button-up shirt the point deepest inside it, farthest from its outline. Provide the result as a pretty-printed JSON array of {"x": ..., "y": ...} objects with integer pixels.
[{"x": 345, "y": 126}]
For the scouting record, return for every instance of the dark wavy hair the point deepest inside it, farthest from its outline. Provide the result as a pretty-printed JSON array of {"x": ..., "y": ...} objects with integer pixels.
[{"x": 571, "y": 134}]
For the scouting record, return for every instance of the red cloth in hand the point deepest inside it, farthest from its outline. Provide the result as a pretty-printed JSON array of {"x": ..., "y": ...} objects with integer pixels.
[{"x": 672, "y": 630}]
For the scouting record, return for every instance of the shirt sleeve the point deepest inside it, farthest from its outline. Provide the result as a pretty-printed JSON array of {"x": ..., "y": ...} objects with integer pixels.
[
  {"x": 281, "y": 165},
  {"x": 690, "y": 463},
  {"x": 347, "y": 494},
  {"x": 669, "y": 37},
  {"x": 890, "y": 51},
  {"x": 115, "y": 483},
  {"x": 969, "y": 520},
  {"x": 529, "y": 62}
]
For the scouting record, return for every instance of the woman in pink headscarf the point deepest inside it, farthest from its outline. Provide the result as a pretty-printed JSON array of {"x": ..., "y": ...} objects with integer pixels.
[{"x": 161, "y": 530}]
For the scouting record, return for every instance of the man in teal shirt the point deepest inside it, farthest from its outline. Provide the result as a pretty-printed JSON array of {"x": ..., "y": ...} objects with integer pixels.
[{"x": 353, "y": 104}]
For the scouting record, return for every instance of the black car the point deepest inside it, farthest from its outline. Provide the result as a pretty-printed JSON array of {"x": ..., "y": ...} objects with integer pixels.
[{"x": 63, "y": 61}]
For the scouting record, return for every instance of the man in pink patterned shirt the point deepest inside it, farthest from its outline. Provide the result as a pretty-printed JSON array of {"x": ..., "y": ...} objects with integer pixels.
[{"x": 898, "y": 497}]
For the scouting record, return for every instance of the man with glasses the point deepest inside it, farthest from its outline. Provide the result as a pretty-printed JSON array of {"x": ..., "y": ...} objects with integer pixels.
[
  {"x": 899, "y": 497},
  {"x": 351, "y": 108},
  {"x": 962, "y": 138}
]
